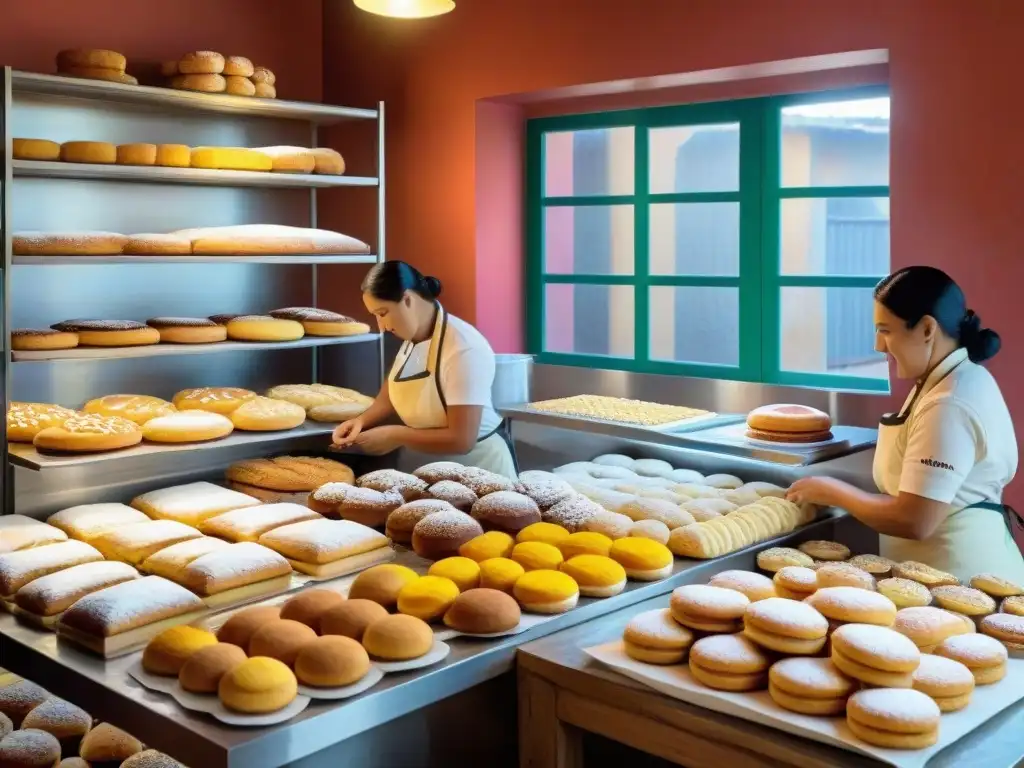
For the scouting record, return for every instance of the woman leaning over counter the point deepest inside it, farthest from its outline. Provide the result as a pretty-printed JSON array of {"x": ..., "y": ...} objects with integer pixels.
[
  {"x": 439, "y": 386},
  {"x": 942, "y": 462}
]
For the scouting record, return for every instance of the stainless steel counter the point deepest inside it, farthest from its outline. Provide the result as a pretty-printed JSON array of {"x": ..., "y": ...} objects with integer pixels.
[{"x": 105, "y": 688}]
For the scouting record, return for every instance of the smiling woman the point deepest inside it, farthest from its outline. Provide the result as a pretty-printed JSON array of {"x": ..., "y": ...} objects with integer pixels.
[
  {"x": 943, "y": 461},
  {"x": 439, "y": 386}
]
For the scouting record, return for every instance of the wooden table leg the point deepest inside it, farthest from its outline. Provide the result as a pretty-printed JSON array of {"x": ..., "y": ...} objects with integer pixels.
[{"x": 544, "y": 740}]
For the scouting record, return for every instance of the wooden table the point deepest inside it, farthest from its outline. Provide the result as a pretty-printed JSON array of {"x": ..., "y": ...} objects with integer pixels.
[{"x": 563, "y": 695}]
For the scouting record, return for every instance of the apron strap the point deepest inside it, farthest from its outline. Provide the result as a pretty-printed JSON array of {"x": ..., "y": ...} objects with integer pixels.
[
  {"x": 1010, "y": 515},
  {"x": 504, "y": 429}
]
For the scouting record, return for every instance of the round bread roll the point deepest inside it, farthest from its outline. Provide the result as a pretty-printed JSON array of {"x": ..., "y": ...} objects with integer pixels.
[
  {"x": 263, "y": 328},
  {"x": 264, "y": 414},
  {"x": 136, "y": 154},
  {"x": 257, "y": 686},
  {"x": 483, "y": 612},
  {"x": 825, "y": 550},
  {"x": 546, "y": 591},
  {"x": 462, "y": 570},
  {"x": 436, "y": 471},
  {"x": 174, "y": 156},
  {"x": 201, "y": 63},
  {"x": 643, "y": 559},
  {"x": 187, "y": 427},
  {"x": 30, "y": 748},
  {"x": 35, "y": 149},
  {"x": 89, "y": 433},
  {"x": 265, "y": 91},
  {"x": 351, "y": 617},
  {"x": 222, "y": 400},
  {"x": 19, "y": 698},
  {"x": 92, "y": 152},
  {"x": 337, "y": 412},
  {"x": 488, "y": 546},
  {"x": 108, "y": 744},
  {"x": 239, "y": 629},
  {"x": 263, "y": 75},
  {"x": 428, "y": 597},
  {"x": 440, "y": 534},
  {"x": 137, "y": 408},
  {"x": 546, "y": 533},
  {"x": 99, "y": 73},
  {"x": 398, "y": 638},
  {"x": 596, "y": 575},
  {"x": 851, "y": 604},
  {"x": 149, "y": 759},
  {"x": 506, "y": 511},
  {"x": 383, "y": 480},
  {"x": 188, "y": 330},
  {"x": 500, "y": 573},
  {"x": 836, "y": 574},
  {"x": 309, "y": 606},
  {"x": 729, "y": 663},
  {"x": 776, "y": 558},
  {"x": 91, "y": 57},
  {"x": 110, "y": 333},
  {"x": 923, "y": 574},
  {"x": 965, "y": 600},
  {"x": 892, "y": 718},
  {"x": 59, "y": 718},
  {"x": 281, "y": 639},
  {"x": 361, "y": 505},
  {"x": 877, "y": 566},
  {"x": 401, "y": 523},
  {"x": 237, "y": 66},
  {"x": 585, "y": 543},
  {"x": 202, "y": 671},
  {"x": 42, "y": 339},
  {"x": 753, "y": 585},
  {"x": 996, "y": 586},
  {"x": 26, "y": 420},
  {"x": 318, "y": 322},
  {"x": 382, "y": 584},
  {"x": 239, "y": 86},
  {"x": 573, "y": 513},
  {"x": 332, "y": 662},
  {"x": 167, "y": 652},
  {"x": 809, "y": 686},
  {"x": 654, "y": 637}
]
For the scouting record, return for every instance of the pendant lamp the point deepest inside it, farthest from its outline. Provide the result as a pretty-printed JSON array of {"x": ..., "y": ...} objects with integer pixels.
[{"x": 406, "y": 9}]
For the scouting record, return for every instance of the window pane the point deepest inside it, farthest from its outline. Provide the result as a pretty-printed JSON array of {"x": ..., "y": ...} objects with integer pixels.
[
  {"x": 695, "y": 158},
  {"x": 830, "y": 330},
  {"x": 593, "y": 162},
  {"x": 589, "y": 319},
  {"x": 835, "y": 236},
  {"x": 695, "y": 239},
  {"x": 836, "y": 144},
  {"x": 588, "y": 240},
  {"x": 692, "y": 324}
]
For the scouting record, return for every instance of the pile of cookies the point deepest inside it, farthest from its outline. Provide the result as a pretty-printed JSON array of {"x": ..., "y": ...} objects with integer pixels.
[
  {"x": 94, "y": 64},
  {"x": 825, "y": 638},
  {"x": 212, "y": 72},
  {"x": 38, "y": 728}
]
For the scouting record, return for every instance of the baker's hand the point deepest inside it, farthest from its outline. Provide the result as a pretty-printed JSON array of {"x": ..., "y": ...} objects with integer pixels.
[
  {"x": 378, "y": 441},
  {"x": 824, "y": 491},
  {"x": 347, "y": 431}
]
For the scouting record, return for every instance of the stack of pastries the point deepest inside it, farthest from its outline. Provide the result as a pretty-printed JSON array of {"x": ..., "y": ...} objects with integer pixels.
[{"x": 890, "y": 646}]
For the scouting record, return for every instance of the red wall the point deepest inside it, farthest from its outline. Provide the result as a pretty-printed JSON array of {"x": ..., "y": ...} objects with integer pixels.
[{"x": 285, "y": 36}]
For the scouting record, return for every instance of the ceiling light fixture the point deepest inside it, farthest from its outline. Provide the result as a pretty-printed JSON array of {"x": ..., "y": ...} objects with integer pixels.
[{"x": 406, "y": 9}]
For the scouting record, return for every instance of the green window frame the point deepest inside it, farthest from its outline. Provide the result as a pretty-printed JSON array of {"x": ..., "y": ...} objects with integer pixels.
[{"x": 760, "y": 196}]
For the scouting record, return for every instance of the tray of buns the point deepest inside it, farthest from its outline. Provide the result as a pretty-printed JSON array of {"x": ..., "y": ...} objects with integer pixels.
[{"x": 890, "y": 660}]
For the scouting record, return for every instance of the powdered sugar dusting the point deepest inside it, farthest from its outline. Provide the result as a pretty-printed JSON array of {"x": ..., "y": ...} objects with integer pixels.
[
  {"x": 365, "y": 498},
  {"x": 938, "y": 671},
  {"x": 905, "y": 706},
  {"x": 454, "y": 493},
  {"x": 77, "y": 580},
  {"x": 744, "y": 579},
  {"x": 184, "y": 552},
  {"x": 785, "y": 616},
  {"x": 797, "y": 578},
  {"x": 18, "y": 521},
  {"x": 18, "y": 568},
  {"x": 437, "y": 471},
  {"x": 391, "y": 479},
  {"x": 87, "y": 520},
  {"x": 729, "y": 653},
  {"x": 407, "y": 515},
  {"x": 853, "y": 601},
  {"x": 250, "y": 522},
  {"x": 448, "y": 524},
  {"x": 103, "y": 613},
  {"x": 505, "y": 504},
  {"x": 98, "y": 325},
  {"x": 193, "y": 499},
  {"x": 327, "y": 540},
  {"x": 1005, "y": 623},
  {"x": 707, "y": 600},
  {"x": 29, "y": 747},
  {"x": 660, "y": 626},
  {"x": 236, "y": 562},
  {"x": 58, "y": 713},
  {"x": 880, "y": 642},
  {"x": 974, "y": 650},
  {"x": 819, "y": 675},
  {"x": 572, "y": 513}
]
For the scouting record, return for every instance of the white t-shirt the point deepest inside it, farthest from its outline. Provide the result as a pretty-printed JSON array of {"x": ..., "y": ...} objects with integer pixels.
[
  {"x": 960, "y": 444},
  {"x": 465, "y": 371}
]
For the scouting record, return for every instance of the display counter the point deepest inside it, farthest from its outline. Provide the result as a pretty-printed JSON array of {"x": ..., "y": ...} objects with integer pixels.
[
  {"x": 563, "y": 695},
  {"x": 368, "y": 730}
]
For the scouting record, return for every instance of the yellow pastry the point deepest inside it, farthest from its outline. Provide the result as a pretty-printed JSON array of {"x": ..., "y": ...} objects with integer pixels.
[
  {"x": 596, "y": 575},
  {"x": 536, "y": 555},
  {"x": 548, "y": 533},
  {"x": 643, "y": 559},
  {"x": 382, "y": 584},
  {"x": 488, "y": 545},
  {"x": 500, "y": 573},
  {"x": 428, "y": 597},
  {"x": 258, "y": 685},
  {"x": 463, "y": 571},
  {"x": 585, "y": 543},
  {"x": 168, "y": 651},
  {"x": 546, "y": 591}
]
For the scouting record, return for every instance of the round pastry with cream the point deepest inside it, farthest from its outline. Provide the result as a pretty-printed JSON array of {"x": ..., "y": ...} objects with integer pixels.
[
  {"x": 263, "y": 328},
  {"x": 188, "y": 330},
  {"x": 500, "y": 573},
  {"x": 596, "y": 575},
  {"x": 643, "y": 559},
  {"x": 137, "y": 408},
  {"x": 546, "y": 591},
  {"x": 322, "y": 322},
  {"x": 187, "y": 427},
  {"x": 787, "y": 423},
  {"x": 110, "y": 333},
  {"x": 464, "y": 571},
  {"x": 427, "y": 597},
  {"x": 27, "y": 339},
  {"x": 166, "y": 653}
]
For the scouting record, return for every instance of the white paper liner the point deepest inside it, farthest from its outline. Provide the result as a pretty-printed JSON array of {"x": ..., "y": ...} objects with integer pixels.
[
  {"x": 527, "y": 622},
  {"x": 787, "y": 444},
  {"x": 758, "y": 707},
  {"x": 210, "y": 704},
  {"x": 371, "y": 678},
  {"x": 438, "y": 653}
]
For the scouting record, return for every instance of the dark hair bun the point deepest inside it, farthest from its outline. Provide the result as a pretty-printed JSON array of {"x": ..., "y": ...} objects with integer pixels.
[
  {"x": 981, "y": 343},
  {"x": 432, "y": 286}
]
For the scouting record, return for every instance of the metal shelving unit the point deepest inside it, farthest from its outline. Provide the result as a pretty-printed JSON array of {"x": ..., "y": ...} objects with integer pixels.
[{"x": 41, "y": 290}]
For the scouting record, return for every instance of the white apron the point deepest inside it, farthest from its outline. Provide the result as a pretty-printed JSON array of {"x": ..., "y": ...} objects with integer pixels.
[
  {"x": 972, "y": 540},
  {"x": 419, "y": 403}
]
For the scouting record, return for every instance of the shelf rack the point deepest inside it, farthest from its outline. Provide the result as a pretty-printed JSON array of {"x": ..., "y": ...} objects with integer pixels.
[{"x": 51, "y": 104}]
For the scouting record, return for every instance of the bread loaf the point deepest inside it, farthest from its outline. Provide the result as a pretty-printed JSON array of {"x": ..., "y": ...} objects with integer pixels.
[
  {"x": 289, "y": 473},
  {"x": 191, "y": 503},
  {"x": 17, "y": 537},
  {"x": 323, "y": 541},
  {"x": 67, "y": 243},
  {"x": 87, "y": 521},
  {"x": 170, "y": 561},
  {"x": 35, "y": 149},
  {"x": 250, "y": 524},
  {"x": 134, "y": 543},
  {"x": 254, "y": 239},
  {"x": 128, "y": 605},
  {"x": 237, "y": 566},
  {"x": 239, "y": 86},
  {"x": 56, "y": 592},
  {"x": 312, "y": 395},
  {"x": 290, "y": 159},
  {"x": 19, "y": 568},
  {"x": 328, "y": 161},
  {"x": 230, "y": 159}
]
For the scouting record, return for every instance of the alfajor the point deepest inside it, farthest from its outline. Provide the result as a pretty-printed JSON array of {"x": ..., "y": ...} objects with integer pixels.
[
  {"x": 948, "y": 682},
  {"x": 984, "y": 656},
  {"x": 892, "y": 718},
  {"x": 729, "y": 663},
  {"x": 875, "y": 655},
  {"x": 754, "y": 585},
  {"x": 654, "y": 637},
  {"x": 708, "y": 609},
  {"x": 810, "y": 686},
  {"x": 596, "y": 575},
  {"x": 832, "y": 574},
  {"x": 643, "y": 559},
  {"x": 927, "y": 626},
  {"x": 785, "y": 626},
  {"x": 854, "y": 605},
  {"x": 796, "y": 582},
  {"x": 1006, "y": 628}
]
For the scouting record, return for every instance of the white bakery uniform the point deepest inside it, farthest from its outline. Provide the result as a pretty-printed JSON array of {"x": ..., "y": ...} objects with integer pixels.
[
  {"x": 953, "y": 442},
  {"x": 454, "y": 367}
]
